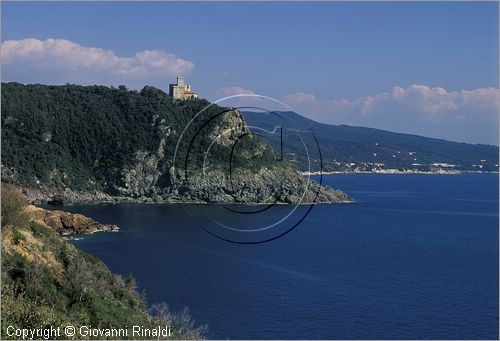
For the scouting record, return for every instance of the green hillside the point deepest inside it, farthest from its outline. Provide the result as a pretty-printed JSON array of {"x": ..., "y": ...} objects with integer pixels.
[
  {"x": 47, "y": 282},
  {"x": 342, "y": 145}
]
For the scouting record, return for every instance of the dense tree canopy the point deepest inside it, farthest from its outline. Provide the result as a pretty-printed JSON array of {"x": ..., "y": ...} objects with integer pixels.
[{"x": 82, "y": 137}]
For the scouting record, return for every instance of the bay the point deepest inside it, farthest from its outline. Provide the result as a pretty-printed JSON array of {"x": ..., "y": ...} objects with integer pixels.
[{"x": 416, "y": 257}]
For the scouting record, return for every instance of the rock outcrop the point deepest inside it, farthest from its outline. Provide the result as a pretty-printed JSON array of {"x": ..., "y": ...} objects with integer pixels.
[
  {"x": 280, "y": 185},
  {"x": 66, "y": 223}
]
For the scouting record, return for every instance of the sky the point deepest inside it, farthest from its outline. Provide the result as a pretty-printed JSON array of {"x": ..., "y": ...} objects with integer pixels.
[{"x": 423, "y": 68}]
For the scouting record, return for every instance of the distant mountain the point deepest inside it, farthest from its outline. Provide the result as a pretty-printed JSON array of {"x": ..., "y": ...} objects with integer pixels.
[{"x": 348, "y": 148}]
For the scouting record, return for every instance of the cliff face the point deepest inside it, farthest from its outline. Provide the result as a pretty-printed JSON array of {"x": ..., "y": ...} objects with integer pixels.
[{"x": 101, "y": 144}]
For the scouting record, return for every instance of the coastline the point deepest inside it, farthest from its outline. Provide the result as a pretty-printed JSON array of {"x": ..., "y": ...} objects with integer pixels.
[
  {"x": 67, "y": 224},
  {"x": 396, "y": 171},
  {"x": 70, "y": 197},
  {"x": 44, "y": 196}
]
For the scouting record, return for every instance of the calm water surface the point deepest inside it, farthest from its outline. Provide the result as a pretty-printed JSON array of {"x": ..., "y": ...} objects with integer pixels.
[{"x": 416, "y": 257}]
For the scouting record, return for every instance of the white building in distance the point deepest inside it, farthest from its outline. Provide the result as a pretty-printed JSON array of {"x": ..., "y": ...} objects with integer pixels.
[{"x": 181, "y": 90}]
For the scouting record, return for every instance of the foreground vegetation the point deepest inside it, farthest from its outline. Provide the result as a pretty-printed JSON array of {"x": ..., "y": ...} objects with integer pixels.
[{"x": 48, "y": 282}]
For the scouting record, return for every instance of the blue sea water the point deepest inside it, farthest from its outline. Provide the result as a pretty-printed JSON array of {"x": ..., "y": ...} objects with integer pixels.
[{"x": 416, "y": 257}]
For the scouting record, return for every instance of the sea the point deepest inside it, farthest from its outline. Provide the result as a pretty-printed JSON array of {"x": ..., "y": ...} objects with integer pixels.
[{"x": 414, "y": 257}]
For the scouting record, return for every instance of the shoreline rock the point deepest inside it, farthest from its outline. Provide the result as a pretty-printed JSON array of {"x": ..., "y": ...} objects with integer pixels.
[
  {"x": 279, "y": 186},
  {"x": 65, "y": 223}
]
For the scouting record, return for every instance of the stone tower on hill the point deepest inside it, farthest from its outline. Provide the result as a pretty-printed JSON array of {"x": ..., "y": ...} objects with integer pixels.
[{"x": 181, "y": 90}]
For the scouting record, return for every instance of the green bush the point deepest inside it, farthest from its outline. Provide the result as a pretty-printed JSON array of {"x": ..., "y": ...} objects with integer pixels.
[
  {"x": 13, "y": 207},
  {"x": 17, "y": 236}
]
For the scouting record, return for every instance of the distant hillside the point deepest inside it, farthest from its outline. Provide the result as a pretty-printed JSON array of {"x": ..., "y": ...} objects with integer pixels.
[
  {"x": 347, "y": 148},
  {"x": 113, "y": 144}
]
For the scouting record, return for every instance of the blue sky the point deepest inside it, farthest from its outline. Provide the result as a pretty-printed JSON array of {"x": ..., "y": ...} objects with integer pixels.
[{"x": 424, "y": 68}]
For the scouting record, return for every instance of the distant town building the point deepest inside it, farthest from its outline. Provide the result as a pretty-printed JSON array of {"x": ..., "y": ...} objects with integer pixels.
[{"x": 181, "y": 90}]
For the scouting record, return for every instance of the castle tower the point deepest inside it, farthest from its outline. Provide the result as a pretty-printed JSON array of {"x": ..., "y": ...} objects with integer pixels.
[
  {"x": 181, "y": 90},
  {"x": 180, "y": 81}
]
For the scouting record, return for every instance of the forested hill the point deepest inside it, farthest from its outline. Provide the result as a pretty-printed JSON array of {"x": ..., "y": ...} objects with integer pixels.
[
  {"x": 348, "y": 148},
  {"x": 80, "y": 136},
  {"x": 122, "y": 143}
]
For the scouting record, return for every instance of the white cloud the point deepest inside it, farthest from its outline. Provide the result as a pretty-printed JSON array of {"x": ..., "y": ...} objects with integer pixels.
[
  {"x": 233, "y": 91},
  {"x": 430, "y": 102},
  {"x": 468, "y": 115},
  {"x": 83, "y": 64},
  {"x": 424, "y": 99},
  {"x": 244, "y": 97},
  {"x": 236, "y": 96},
  {"x": 299, "y": 98}
]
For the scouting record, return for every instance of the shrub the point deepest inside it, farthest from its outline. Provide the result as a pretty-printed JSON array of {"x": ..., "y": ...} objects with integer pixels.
[
  {"x": 17, "y": 236},
  {"x": 182, "y": 323},
  {"x": 24, "y": 312},
  {"x": 13, "y": 207}
]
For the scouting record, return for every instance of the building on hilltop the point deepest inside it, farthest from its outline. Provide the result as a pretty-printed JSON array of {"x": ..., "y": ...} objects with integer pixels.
[{"x": 181, "y": 90}]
